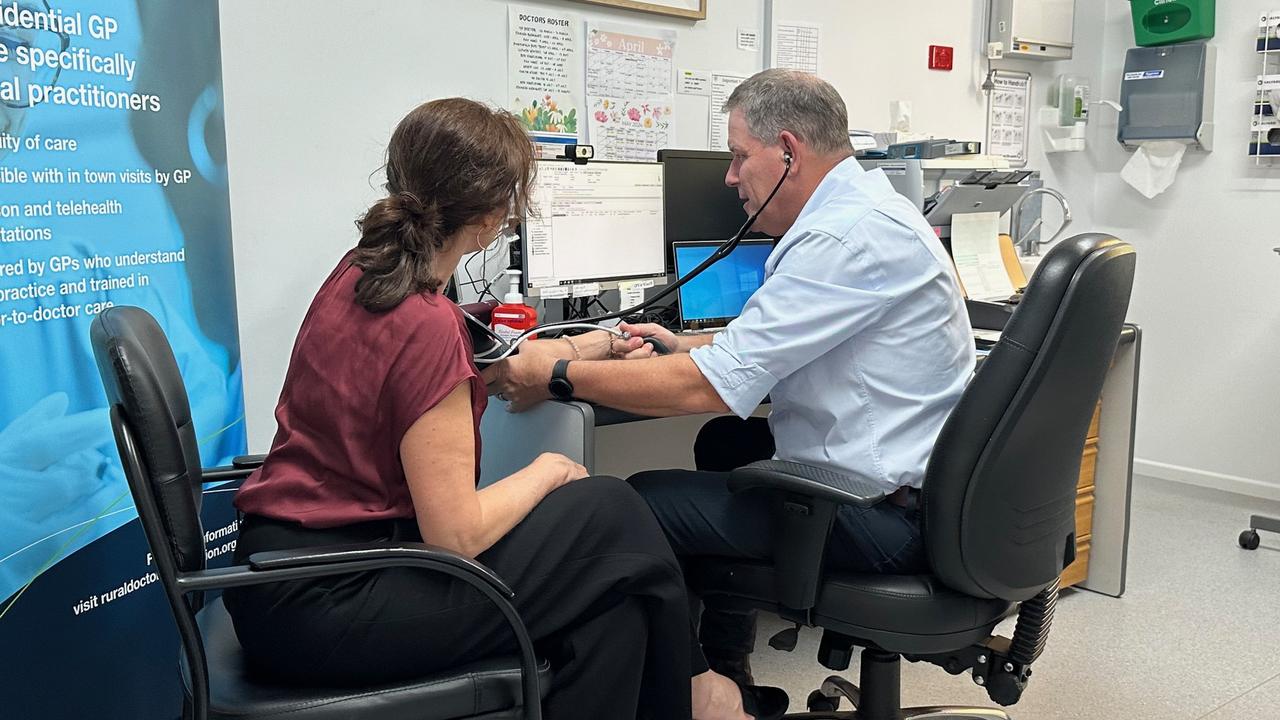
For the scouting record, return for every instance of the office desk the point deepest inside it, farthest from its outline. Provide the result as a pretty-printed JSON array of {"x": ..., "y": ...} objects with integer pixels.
[{"x": 610, "y": 441}]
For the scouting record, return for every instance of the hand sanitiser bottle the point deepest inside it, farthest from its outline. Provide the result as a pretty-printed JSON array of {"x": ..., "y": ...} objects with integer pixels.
[{"x": 513, "y": 317}]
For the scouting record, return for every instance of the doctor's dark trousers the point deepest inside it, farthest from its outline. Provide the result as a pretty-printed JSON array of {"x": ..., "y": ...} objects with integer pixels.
[{"x": 703, "y": 519}]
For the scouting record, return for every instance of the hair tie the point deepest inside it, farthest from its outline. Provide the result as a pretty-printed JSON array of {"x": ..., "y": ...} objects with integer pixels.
[{"x": 416, "y": 209}]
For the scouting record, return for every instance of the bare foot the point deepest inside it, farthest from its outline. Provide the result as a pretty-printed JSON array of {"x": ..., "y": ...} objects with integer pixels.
[{"x": 716, "y": 697}]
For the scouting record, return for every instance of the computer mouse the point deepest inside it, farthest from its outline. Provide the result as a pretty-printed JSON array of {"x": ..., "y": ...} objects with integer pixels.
[{"x": 658, "y": 346}]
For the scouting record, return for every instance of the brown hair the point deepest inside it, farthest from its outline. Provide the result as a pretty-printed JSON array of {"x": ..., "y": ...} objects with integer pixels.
[{"x": 450, "y": 163}]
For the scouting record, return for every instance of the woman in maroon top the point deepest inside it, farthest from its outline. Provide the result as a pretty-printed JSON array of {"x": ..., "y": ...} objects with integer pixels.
[{"x": 379, "y": 439}]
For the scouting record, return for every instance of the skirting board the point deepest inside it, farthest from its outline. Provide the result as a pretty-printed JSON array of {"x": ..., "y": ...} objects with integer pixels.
[{"x": 1204, "y": 478}]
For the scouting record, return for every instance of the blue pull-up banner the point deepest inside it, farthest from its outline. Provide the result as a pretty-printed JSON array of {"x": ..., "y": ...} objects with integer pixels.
[{"x": 113, "y": 191}]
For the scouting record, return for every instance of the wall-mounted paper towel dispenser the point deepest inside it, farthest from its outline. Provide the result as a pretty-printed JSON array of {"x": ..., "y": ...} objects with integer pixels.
[{"x": 1167, "y": 94}]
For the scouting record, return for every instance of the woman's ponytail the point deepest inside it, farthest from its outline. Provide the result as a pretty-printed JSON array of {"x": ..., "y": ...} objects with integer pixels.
[
  {"x": 400, "y": 237},
  {"x": 451, "y": 164}
]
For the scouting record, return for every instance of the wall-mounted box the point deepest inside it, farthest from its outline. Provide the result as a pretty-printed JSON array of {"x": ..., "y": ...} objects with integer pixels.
[
  {"x": 1165, "y": 22},
  {"x": 1033, "y": 29},
  {"x": 1167, "y": 94}
]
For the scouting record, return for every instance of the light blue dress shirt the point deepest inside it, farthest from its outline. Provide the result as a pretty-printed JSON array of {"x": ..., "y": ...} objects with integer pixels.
[{"x": 859, "y": 334}]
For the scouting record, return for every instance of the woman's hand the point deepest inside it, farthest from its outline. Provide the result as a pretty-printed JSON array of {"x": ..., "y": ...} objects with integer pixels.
[
  {"x": 557, "y": 468},
  {"x": 594, "y": 345}
]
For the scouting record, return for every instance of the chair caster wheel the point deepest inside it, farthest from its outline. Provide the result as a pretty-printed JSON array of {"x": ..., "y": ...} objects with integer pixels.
[
  {"x": 818, "y": 702},
  {"x": 1249, "y": 540}
]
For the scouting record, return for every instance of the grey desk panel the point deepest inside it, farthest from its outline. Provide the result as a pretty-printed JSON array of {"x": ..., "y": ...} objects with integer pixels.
[
  {"x": 1113, "y": 477},
  {"x": 512, "y": 440}
]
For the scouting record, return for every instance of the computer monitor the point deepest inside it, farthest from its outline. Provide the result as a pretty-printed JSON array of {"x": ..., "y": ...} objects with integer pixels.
[
  {"x": 718, "y": 295},
  {"x": 595, "y": 223},
  {"x": 698, "y": 204}
]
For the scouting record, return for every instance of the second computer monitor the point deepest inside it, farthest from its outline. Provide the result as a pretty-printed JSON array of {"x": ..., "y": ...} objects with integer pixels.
[
  {"x": 699, "y": 206},
  {"x": 718, "y": 295},
  {"x": 593, "y": 224}
]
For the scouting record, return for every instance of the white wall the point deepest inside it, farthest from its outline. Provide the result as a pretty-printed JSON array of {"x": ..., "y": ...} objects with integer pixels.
[
  {"x": 874, "y": 53},
  {"x": 1207, "y": 294},
  {"x": 313, "y": 90}
]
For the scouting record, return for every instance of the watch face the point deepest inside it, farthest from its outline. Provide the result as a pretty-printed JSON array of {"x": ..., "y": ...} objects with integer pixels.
[{"x": 561, "y": 389}]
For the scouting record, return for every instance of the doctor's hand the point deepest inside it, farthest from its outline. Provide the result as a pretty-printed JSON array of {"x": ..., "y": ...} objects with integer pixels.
[
  {"x": 520, "y": 379},
  {"x": 635, "y": 347}
]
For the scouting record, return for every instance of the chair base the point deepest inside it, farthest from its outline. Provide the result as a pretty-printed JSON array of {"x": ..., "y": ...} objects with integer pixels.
[
  {"x": 920, "y": 713},
  {"x": 879, "y": 697}
]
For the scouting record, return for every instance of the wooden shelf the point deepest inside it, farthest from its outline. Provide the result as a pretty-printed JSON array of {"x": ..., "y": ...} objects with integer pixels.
[{"x": 1078, "y": 570}]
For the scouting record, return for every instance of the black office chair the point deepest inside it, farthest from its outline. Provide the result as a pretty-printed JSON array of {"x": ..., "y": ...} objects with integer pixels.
[
  {"x": 998, "y": 509},
  {"x": 151, "y": 417}
]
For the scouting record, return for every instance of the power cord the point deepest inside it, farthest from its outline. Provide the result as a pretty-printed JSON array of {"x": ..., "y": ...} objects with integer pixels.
[{"x": 472, "y": 282}]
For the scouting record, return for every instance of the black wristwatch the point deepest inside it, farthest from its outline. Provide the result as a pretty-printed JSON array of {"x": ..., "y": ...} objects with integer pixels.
[{"x": 560, "y": 387}]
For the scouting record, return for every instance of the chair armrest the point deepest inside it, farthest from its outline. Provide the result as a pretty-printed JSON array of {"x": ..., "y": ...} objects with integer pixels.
[
  {"x": 251, "y": 462},
  {"x": 803, "y": 514},
  {"x": 808, "y": 480},
  {"x": 367, "y": 552},
  {"x": 241, "y": 467},
  {"x": 281, "y": 565},
  {"x": 302, "y": 563}
]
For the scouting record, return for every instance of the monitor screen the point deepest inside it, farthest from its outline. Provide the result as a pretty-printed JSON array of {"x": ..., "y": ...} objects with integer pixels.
[
  {"x": 699, "y": 205},
  {"x": 718, "y": 295},
  {"x": 591, "y": 223}
]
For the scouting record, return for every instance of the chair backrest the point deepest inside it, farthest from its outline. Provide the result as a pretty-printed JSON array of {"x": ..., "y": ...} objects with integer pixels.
[
  {"x": 999, "y": 493},
  {"x": 151, "y": 417}
]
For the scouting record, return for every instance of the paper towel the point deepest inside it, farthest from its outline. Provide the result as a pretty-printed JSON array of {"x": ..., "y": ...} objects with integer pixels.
[
  {"x": 1153, "y": 166},
  {"x": 900, "y": 115}
]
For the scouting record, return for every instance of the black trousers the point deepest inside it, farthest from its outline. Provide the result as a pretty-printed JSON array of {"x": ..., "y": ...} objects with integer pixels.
[
  {"x": 596, "y": 584},
  {"x": 702, "y": 518}
]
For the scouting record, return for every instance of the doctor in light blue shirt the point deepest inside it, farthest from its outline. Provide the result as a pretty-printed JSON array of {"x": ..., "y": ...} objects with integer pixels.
[{"x": 859, "y": 336}]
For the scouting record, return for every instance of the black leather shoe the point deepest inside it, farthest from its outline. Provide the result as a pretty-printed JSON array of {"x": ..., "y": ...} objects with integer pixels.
[
  {"x": 735, "y": 667},
  {"x": 763, "y": 702}
]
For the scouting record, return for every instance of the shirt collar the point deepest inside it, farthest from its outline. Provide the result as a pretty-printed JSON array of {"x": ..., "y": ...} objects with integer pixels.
[{"x": 844, "y": 174}]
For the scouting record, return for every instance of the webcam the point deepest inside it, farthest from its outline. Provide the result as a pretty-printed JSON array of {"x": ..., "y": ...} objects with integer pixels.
[{"x": 579, "y": 154}]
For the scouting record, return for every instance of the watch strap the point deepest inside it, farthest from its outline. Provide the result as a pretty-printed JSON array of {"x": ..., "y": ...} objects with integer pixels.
[{"x": 560, "y": 386}]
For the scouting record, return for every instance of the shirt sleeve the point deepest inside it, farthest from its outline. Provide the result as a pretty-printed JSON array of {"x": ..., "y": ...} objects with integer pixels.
[
  {"x": 432, "y": 361},
  {"x": 821, "y": 292}
]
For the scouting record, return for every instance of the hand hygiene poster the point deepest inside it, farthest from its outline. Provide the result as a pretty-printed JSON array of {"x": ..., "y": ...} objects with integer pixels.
[{"x": 112, "y": 192}]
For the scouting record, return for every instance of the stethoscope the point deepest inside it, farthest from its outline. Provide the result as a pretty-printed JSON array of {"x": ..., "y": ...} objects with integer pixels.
[{"x": 500, "y": 349}]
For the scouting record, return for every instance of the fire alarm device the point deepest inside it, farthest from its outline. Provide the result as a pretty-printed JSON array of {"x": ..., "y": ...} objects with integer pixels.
[{"x": 940, "y": 57}]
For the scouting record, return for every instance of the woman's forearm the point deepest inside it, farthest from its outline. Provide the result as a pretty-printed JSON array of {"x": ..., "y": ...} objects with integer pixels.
[
  {"x": 504, "y": 504},
  {"x": 594, "y": 345}
]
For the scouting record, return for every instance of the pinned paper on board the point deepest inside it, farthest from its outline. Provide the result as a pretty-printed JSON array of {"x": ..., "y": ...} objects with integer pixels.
[
  {"x": 544, "y": 73},
  {"x": 630, "y": 91},
  {"x": 1008, "y": 116},
  {"x": 722, "y": 86},
  {"x": 796, "y": 46},
  {"x": 694, "y": 82}
]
